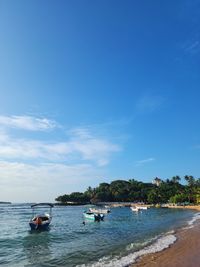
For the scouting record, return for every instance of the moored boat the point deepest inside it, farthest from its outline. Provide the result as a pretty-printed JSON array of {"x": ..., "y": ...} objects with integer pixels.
[
  {"x": 134, "y": 208},
  {"x": 142, "y": 207},
  {"x": 137, "y": 208},
  {"x": 101, "y": 211},
  {"x": 93, "y": 216},
  {"x": 41, "y": 221}
]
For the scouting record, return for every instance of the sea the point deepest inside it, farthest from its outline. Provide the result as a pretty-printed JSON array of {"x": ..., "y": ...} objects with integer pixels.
[{"x": 117, "y": 241}]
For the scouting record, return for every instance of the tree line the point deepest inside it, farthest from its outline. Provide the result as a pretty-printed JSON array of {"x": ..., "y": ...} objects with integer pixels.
[{"x": 160, "y": 191}]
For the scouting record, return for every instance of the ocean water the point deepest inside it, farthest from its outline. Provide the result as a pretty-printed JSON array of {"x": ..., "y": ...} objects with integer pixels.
[{"x": 117, "y": 241}]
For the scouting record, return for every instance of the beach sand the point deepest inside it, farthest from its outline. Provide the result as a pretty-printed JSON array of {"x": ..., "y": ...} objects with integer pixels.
[{"x": 185, "y": 252}]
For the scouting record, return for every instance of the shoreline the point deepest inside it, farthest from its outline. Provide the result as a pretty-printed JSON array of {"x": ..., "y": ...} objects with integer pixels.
[
  {"x": 192, "y": 207},
  {"x": 184, "y": 252}
]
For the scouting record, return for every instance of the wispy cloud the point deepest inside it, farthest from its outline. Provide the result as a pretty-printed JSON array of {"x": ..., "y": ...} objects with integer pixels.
[
  {"x": 44, "y": 167},
  {"x": 191, "y": 47},
  {"x": 196, "y": 147},
  {"x": 81, "y": 144},
  {"x": 32, "y": 149},
  {"x": 27, "y": 123},
  {"x": 144, "y": 161},
  {"x": 41, "y": 182},
  {"x": 149, "y": 103},
  {"x": 92, "y": 147}
]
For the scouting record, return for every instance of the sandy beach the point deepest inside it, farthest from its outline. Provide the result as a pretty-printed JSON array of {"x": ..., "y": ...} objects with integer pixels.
[{"x": 183, "y": 253}]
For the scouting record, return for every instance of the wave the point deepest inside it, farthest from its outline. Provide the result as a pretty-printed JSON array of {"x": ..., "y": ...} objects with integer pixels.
[
  {"x": 160, "y": 244},
  {"x": 194, "y": 219},
  {"x": 191, "y": 222}
]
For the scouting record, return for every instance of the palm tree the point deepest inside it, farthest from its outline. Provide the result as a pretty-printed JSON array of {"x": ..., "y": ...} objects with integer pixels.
[
  {"x": 90, "y": 192},
  {"x": 190, "y": 180},
  {"x": 190, "y": 187},
  {"x": 176, "y": 179}
]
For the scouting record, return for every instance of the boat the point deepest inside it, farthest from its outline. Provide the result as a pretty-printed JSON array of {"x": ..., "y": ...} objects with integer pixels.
[
  {"x": 41, "y": 221},
  {"x": 137, "y": 208},
  {"x": 102, "y": 211},
  {"x": 142, "y": 207},
  {"x": 93, "y": 216},
  {"x": 134, "y": 208}
]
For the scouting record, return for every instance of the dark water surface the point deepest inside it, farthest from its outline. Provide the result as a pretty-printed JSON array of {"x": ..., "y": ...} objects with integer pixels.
[{"x": 68, "y": 242}]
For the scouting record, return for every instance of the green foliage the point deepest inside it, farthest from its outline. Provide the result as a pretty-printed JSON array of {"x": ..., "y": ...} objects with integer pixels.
[
  {"x": 179, "y": 198},
  {"x": 154, "y": 197},
  {"x": 135, "y": 191},
  {"x": 73, "y": 197}
]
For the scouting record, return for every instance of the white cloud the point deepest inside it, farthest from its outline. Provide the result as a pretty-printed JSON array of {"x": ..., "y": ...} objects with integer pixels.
[
  {"x": 27, "y": 123},
  {"x": 31, "y": 149},
  {"x": 45, "y": 168},
  {"x": 43, "y": 181},
  {"x": 144, "y": 161},
  {"x": 91, "y": 147},
  {"x": 81, "y": 145}
]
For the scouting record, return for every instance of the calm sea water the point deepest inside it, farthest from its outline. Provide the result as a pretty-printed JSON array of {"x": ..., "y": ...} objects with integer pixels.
[{"x": 116, "y": 241}]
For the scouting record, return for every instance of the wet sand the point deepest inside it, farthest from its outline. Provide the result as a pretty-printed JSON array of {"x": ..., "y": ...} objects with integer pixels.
[{"x": 185, "y": 252}]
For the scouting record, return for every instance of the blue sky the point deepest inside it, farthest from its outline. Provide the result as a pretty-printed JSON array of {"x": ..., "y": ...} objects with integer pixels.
[{"x": 93, "y": 91}]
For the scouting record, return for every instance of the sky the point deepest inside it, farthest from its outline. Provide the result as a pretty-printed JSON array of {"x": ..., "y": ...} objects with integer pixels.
[{"x": 94, "y": 91}]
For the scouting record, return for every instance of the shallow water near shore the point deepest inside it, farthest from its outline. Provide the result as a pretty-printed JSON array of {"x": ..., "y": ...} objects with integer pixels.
[{"x": 116, "y": 241}]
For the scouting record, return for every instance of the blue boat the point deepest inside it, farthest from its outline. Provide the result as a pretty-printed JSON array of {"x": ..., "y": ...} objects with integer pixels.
[
  {"x": 93, "y": 216},
  {"x": 41, "y": 221}
]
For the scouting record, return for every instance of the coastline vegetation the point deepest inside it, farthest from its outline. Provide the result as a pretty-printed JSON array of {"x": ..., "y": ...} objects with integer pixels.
[{"x": 158, "y": 192}]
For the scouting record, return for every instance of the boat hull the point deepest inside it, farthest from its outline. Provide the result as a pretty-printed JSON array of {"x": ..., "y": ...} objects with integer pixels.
[
  {"x": 40, "y": 227},
  {"x": 134, "y": 209},
  {"x": 93, "y": 216},
  {"x": 137, "y": 208},
  {"x": 143, "y": 208}
]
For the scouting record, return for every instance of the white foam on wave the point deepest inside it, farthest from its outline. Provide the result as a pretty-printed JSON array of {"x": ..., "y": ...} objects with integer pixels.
[
  {"x": 160, "y": 244},
  {"x": 138, "y": 245},
  {"x": 195, "y": 218}
]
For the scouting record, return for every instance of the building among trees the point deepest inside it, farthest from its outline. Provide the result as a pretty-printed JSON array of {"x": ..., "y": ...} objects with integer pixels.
[{"x": 157, "y": 181}]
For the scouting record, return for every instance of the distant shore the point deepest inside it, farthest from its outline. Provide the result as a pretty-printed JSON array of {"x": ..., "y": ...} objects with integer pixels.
[
  {"x": 183, "y": 253},
  {"x": 129, "y": 204}
]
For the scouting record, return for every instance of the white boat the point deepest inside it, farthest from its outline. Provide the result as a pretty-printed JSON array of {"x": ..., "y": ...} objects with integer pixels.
[
  {"x": 102, "y": 211},
  {"x": 41, "y": 221},
  {"x": 137, "y": 208},
  {"x": 134, "y": 208},
  {"x": 142, "y": 207}
]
